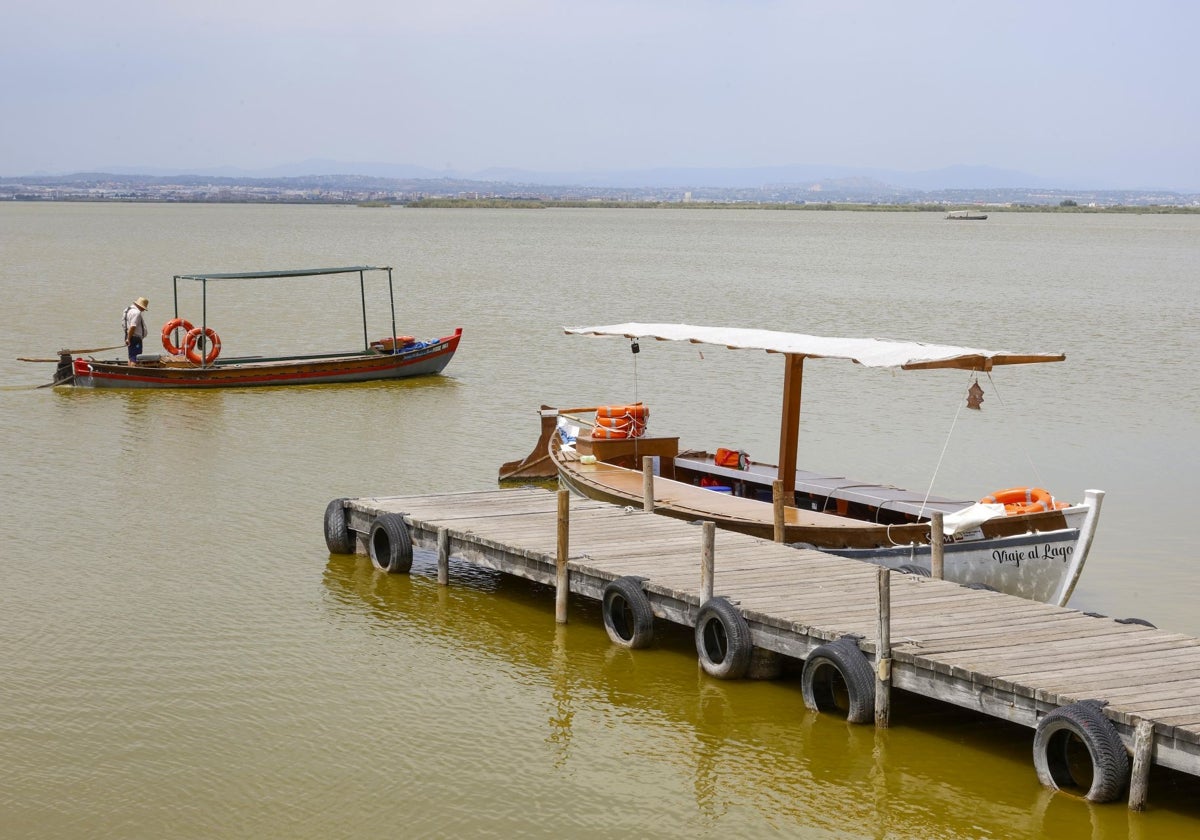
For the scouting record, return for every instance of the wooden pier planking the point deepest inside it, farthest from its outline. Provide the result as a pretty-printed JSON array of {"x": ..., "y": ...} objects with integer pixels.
[{"x": 1005, "y": 656}]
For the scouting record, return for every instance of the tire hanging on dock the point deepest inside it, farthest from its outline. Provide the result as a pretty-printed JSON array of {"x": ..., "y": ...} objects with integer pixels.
[
  {"x": 723, "y": 640},
  {"x": 627, "y": 614},
  {"x": 390, "y": 545},
  {"x": 337, "y": 533},
  {"x": 838, "y": 677},
  {"x": 1077, "y": 739}
]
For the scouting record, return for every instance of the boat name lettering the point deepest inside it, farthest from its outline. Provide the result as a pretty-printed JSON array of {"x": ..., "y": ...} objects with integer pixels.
[
  {"x": 1003, "y": 556},
  {"x": 1048, "y": 551}
]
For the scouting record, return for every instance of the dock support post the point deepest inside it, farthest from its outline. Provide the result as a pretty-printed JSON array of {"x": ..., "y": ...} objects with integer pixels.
[
  {"x": 883, "y": 651},
  {"x": 777, "y": 502},
  {"x": 443, "y": 544},
  {"x": 648, "y": 483},
  {"x": 937, "y": 546},
  {"x": 707, "y": 560},
  {"x": 1143, "y": 757},
  {"x": 561, "y": 583}
]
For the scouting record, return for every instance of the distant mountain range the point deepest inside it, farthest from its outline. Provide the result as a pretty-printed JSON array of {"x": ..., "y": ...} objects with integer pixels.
[
  {"x": 331, "y": 180},
  {"x": 951, "y": 177}
]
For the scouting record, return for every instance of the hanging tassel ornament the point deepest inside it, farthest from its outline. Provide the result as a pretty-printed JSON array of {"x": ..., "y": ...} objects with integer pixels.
[{"x": 975, "y": 396}]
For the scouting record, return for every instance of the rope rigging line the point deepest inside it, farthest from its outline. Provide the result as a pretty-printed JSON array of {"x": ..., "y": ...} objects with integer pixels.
[{"x": 941, "y": 457}]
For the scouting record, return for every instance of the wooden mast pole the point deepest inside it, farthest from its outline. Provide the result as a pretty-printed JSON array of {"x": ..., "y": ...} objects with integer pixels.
[{"x": 789, "y": 423}]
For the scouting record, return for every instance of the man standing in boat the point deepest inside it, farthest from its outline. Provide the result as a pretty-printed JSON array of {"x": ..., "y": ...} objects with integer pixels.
[{"x": 135, "y": 328}]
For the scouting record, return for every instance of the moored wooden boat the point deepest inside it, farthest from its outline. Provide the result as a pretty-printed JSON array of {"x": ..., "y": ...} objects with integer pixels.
[
  {"x": 195, "y": 362},
  {"x": 1035, "y": 549}
]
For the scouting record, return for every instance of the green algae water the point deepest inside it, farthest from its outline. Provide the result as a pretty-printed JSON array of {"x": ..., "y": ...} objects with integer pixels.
[{"x": 182, "y": 658}]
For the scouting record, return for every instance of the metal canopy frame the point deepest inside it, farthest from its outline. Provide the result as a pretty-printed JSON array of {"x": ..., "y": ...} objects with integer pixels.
[{"x": 360, "y": 270}]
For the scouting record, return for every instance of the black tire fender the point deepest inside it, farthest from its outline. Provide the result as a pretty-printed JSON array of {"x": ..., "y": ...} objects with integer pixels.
[
  {"x": 723, "y": 640},
  {"x": 838, "y": 677},
  {"x": 389, "y": 544},
  {"x": 628, "y": 618},
  {"x": 1068, "y": 735},
  {"x": 337, "y": 532},
  {"x": 912, "y": 569}
]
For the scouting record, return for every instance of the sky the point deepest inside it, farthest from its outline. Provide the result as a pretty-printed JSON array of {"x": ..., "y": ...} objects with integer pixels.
[{"x": 1102, "y": 93}]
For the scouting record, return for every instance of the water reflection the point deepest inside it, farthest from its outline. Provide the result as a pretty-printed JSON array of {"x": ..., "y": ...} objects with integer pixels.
[{"x": 938, "y": 771}]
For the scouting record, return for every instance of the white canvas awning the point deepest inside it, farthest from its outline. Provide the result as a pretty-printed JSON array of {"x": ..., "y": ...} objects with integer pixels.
[{"x": 871, "y": 352}]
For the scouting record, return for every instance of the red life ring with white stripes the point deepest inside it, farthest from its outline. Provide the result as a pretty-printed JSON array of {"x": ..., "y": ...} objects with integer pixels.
[
  {"x": 193, "y": 338},
  {"x": 168, "y": 334}
]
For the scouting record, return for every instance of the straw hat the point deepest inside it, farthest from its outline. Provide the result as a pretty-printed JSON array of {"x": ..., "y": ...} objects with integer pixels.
[{"x": 141, "y": 303}]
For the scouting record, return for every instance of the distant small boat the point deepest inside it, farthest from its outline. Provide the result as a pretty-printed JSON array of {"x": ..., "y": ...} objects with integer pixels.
[
  {"x": 966, "y": 216},
  {"x": 194, "y": 362}
]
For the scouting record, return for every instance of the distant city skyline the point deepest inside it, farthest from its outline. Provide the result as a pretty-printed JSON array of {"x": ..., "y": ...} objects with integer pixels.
[{"x": 1095, "y": 95}]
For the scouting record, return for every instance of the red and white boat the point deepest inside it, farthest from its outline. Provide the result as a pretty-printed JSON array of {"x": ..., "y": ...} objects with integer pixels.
[{"x": 193, "y": 352}]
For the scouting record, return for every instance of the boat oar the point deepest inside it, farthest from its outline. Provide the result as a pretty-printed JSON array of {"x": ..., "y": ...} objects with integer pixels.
[
  {"x": 66, "y": 378},
  {"x": 71, "y": 352}
]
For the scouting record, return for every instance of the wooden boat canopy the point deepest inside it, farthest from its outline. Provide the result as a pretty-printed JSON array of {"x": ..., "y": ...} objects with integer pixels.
[{"x": 869, "y": 352}]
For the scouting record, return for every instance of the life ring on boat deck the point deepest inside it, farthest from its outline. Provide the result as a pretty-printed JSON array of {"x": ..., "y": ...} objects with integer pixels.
[
  {"x": 168, "y": 334},
  {"x": 387, "y": 345},
  {"x": 636, "y": 411},
  {"x": 390, "y": 545},
  {"x": 838, "y": 677},
  {"x": 1019, "y": 500},
  {"x": 619, "y": 427},
  {"x": 337, "y": 533},
  {"x": 193, "y": 338},
  {"x": 628, "y": 618},
  {"x": 1054, "y": 748},
  {"x": 723, "y": 640}
]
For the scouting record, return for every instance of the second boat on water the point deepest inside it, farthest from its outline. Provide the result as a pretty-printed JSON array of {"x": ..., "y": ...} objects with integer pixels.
[{"x": 193, "y": 352}]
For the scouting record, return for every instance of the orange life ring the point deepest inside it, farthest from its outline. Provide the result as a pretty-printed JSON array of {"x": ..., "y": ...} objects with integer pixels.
[
  {"x": 636, "y": 411},
  {"x": 387, "y": 345},
  {"x": 168, "y": 334},
  {"x": 1019, "y": 500},
  {"x": 607, "y": 432},
  {"x": 193, "y": 337},
  {"x": 627, "y": 426}
]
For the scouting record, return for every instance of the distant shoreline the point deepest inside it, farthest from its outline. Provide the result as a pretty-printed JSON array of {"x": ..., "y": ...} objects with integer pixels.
[
  {"x": 604, "y": 204},
  {"x": 538, "y": 204}
]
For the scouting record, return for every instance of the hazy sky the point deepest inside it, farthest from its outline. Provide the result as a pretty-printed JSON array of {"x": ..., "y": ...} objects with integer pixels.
[{"x": 1099, "y": 92}]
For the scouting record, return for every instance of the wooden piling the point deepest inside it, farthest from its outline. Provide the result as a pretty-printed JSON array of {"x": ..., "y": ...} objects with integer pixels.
[
  {"x": 707, "y": 560},
  {"x": 883, "y": 651},
  {"x": 1143, "y": 757},
  {"x": 561, "y": 581},
  {"x": 443, "y": 561},
  {"x": 937, "y": 544},
  {"x": 648, "y": 483},
  {"x": 777, "y": 501}
]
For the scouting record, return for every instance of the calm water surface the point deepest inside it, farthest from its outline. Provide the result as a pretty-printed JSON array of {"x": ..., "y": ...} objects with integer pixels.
[{"x": 183, "y": 658}]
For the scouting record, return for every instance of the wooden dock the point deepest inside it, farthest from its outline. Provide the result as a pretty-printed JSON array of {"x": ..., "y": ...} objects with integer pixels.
[{"x": 997, "y": 654}]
